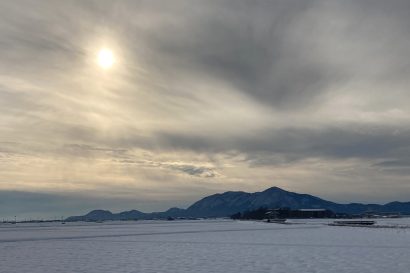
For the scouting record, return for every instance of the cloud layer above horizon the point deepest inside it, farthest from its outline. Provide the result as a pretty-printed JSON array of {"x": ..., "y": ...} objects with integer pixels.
[{"x": 204, "y": 97}]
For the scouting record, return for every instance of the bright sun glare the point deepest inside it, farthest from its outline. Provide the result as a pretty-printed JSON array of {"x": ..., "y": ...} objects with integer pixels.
[{"x": 105, "y": 58}]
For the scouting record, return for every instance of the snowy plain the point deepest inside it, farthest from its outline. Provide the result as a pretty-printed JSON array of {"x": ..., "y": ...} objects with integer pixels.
[{"x": 204, "y": 246}]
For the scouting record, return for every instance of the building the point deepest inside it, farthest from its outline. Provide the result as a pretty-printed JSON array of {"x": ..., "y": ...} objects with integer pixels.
[
  {"x": 312, "y": 213},
  {"x": 282, "y": 213}
]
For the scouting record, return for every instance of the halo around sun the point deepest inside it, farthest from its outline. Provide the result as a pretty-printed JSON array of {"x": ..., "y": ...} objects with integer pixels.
[{"x": 105, "y": 58}]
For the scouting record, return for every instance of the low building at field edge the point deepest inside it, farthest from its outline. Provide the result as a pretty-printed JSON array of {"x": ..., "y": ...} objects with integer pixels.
[{"x": 300, "y": 213}]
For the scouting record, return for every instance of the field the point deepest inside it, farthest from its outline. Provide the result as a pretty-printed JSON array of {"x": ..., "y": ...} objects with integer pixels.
[{"x": 204, "y": 246}]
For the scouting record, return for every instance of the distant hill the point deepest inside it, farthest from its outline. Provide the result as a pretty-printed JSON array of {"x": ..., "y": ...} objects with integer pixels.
[
  {"x": 228, "y": 203},
  {"x": 102, "y": 215}
]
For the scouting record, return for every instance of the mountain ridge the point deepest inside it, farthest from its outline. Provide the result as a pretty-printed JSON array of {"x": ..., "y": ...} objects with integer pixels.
[{"x": 230, "y": 202}]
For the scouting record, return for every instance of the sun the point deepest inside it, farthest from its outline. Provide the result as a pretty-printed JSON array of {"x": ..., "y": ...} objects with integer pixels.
[{"x": 105, "y": 58}]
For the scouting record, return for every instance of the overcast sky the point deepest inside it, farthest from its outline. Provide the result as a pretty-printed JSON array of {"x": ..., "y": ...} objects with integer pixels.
[{"x": 203, "y": 97}]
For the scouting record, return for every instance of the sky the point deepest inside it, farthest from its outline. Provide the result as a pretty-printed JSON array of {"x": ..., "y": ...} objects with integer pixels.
[{"x": 201, "y": 97}]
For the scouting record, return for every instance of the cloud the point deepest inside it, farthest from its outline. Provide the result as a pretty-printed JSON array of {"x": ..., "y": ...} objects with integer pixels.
[
  {"x": 194, "y": 170},
  {"x": 205, "y": 97}
]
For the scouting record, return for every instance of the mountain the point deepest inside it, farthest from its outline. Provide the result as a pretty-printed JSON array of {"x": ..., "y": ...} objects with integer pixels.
[
  {"x": 228, "y": 203},
  {"x": 102, "y": 215},
  {"x": 131, "y": 214},
  {"x": 95, "y": 215}
]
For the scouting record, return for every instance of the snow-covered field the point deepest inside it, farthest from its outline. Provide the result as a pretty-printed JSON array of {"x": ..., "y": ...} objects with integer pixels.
[{"x": 204, "y": 246}]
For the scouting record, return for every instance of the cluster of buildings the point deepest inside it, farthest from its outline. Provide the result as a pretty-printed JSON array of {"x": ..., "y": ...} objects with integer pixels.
[{"x": 284, "y": 213}]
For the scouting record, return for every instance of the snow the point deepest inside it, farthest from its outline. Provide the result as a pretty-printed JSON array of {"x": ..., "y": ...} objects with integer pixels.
[{"x": 204, "y": 246}]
